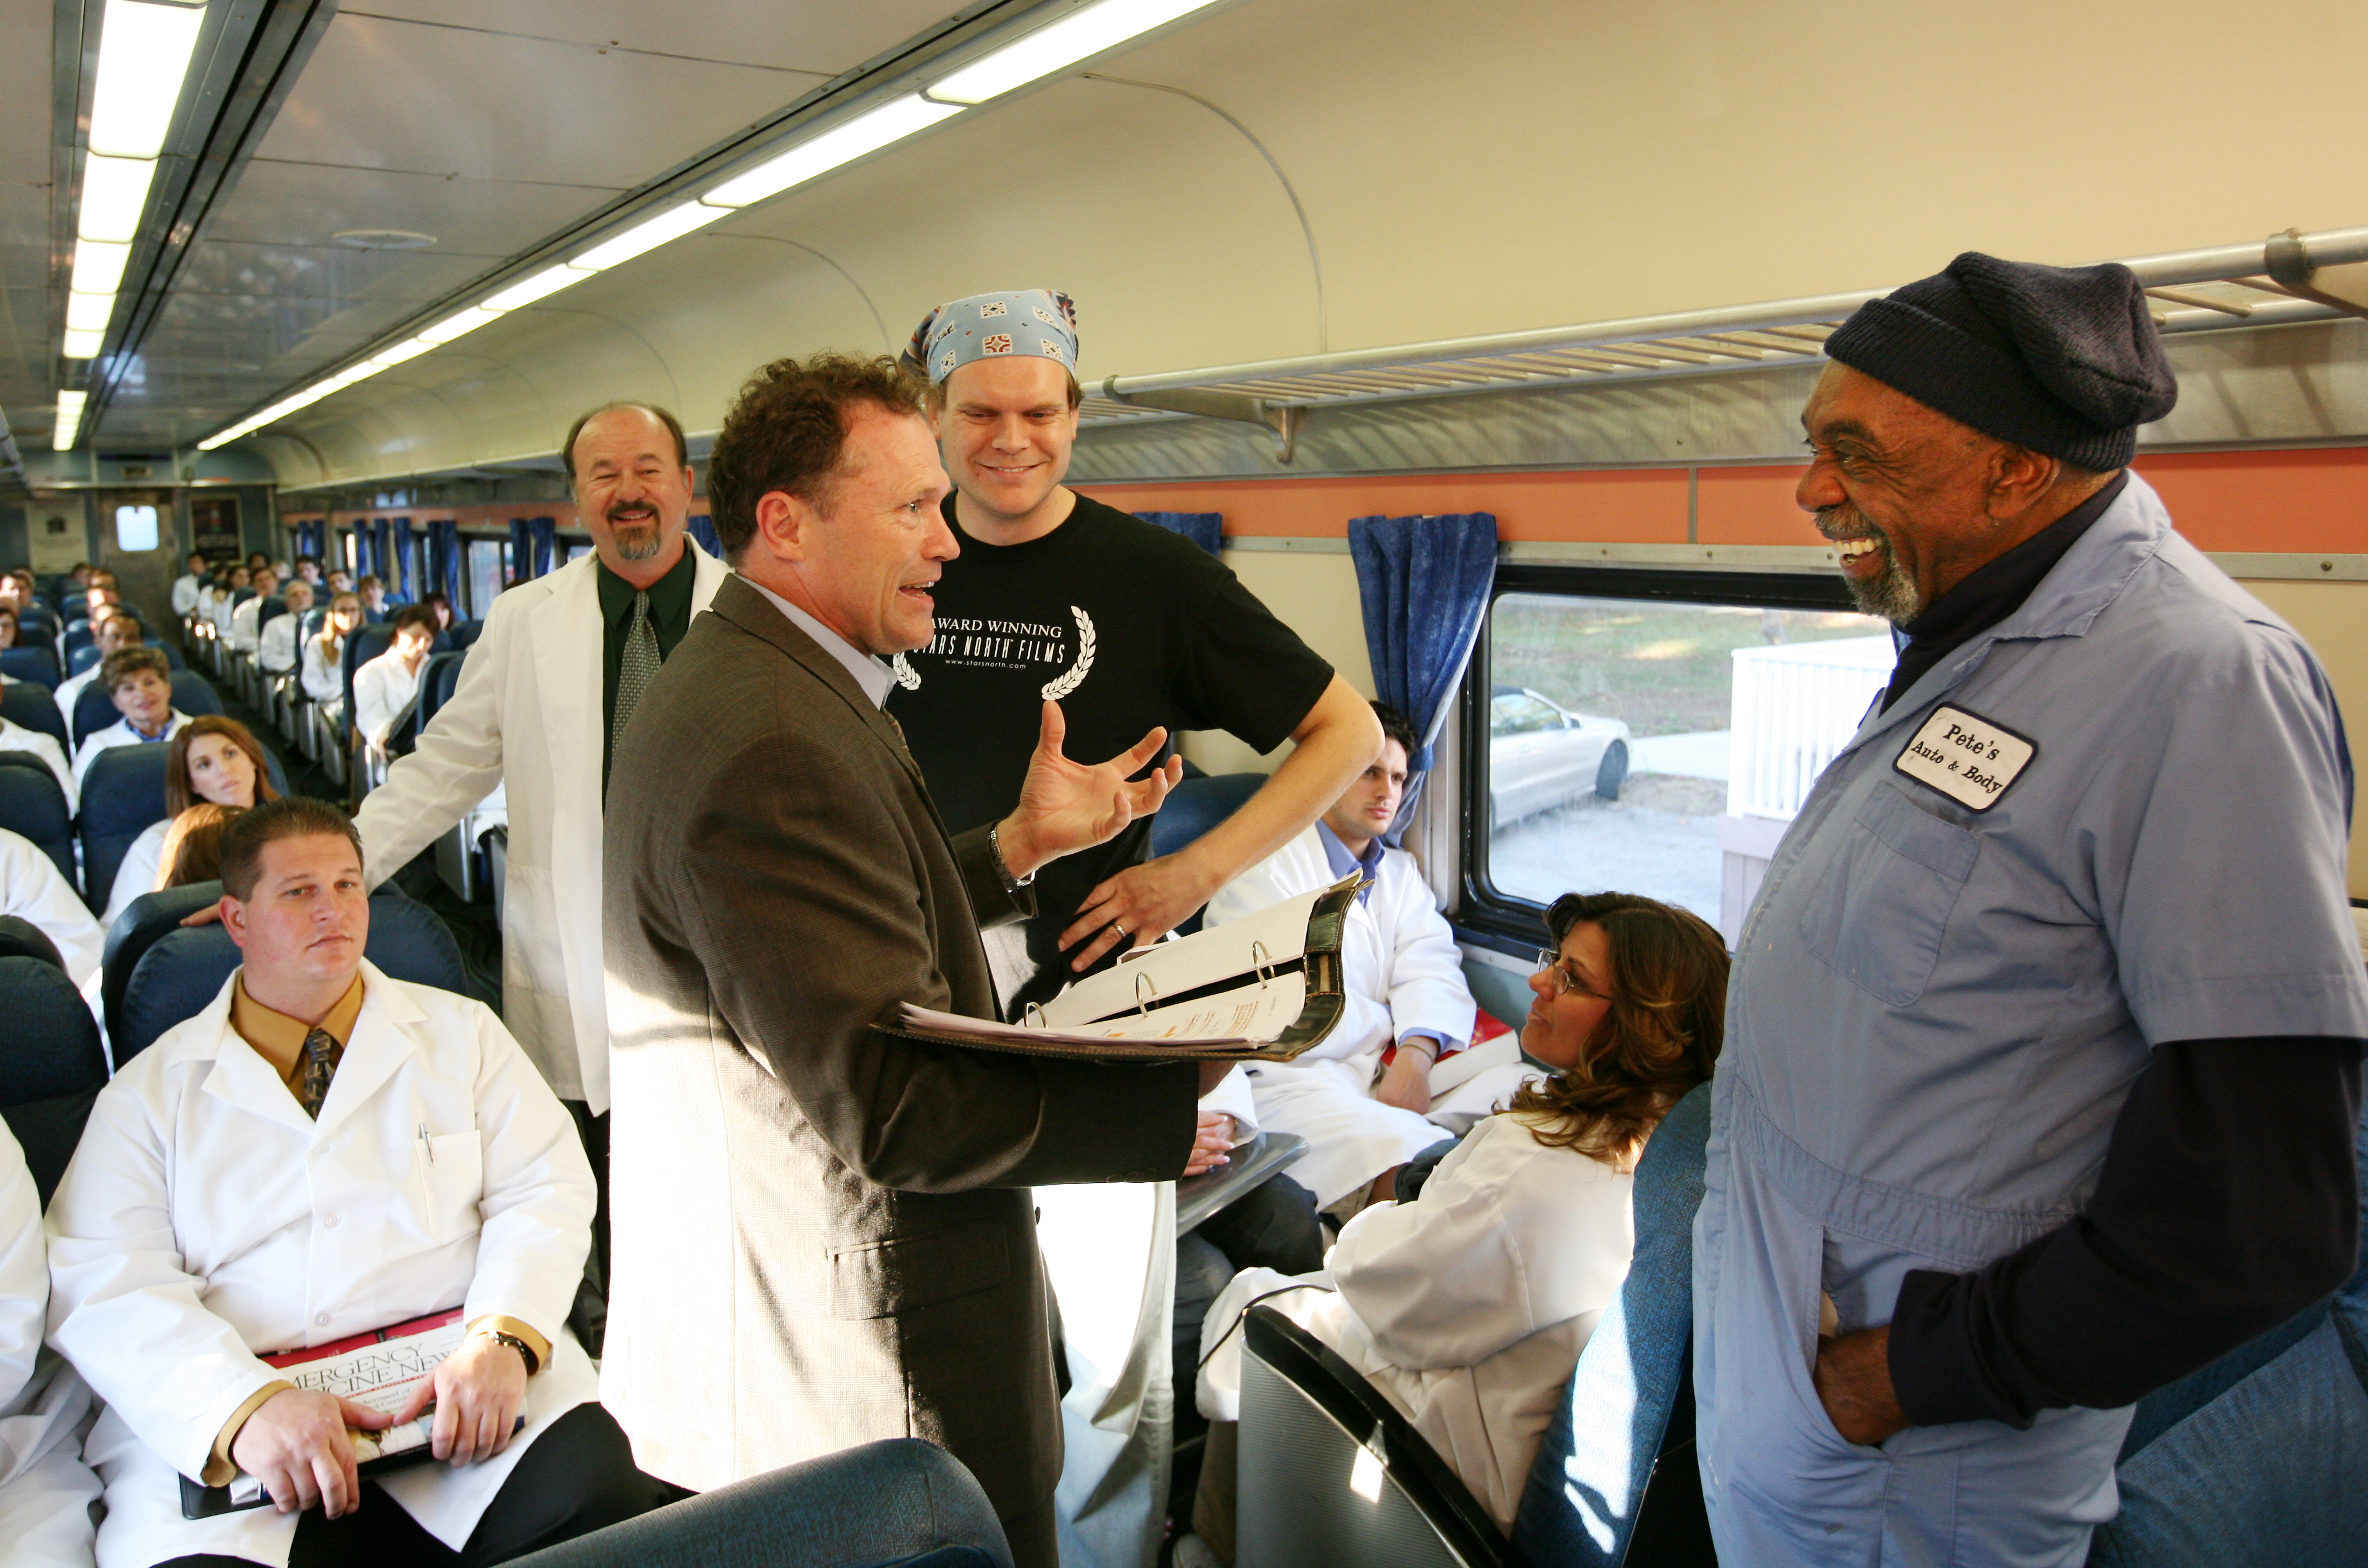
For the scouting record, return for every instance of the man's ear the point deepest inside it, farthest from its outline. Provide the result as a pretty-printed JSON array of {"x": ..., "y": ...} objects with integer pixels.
[
  {"x": 233, "y": 920},
  {"x": 784, "y": 525},
  {"x": 2019, "y": 477}
]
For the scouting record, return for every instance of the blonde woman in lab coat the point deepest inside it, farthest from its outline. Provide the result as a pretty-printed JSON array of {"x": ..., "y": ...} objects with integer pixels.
[{"x": 1467, "y": 1308}]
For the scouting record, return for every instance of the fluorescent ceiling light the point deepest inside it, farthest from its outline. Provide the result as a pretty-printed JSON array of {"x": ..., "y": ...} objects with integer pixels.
[
  {"x": 650, "y": 234},
  {"x": 410, "y": 349},
  {"x": 1075, "y": 36},
  {"x": 81, "y": 345},
  {"x": 550, "y": 281},
  {"x": 459, "y": 323},
  {"x": 88, "y": 313},
  {"x": 892, "y": 121},
  {"x": 144, "y": 53},
  {"x": 114, "y": 193},
  {"x": 69, "y": 425},
  {"x": 98, "y": 266}
]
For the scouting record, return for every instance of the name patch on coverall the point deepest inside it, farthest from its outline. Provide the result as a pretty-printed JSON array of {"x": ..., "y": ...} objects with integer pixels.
[{"x": 1967, "y": 758}]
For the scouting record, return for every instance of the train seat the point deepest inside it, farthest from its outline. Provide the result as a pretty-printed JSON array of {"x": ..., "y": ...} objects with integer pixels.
[
  {"x": 898, "y": 1504},
  {"x": 122, "y": 794},
  {"x": 33, "y": 807},
  {"x": 21, "y": 939},
  {"x": 1615, "y": 1480},
  {"x": 83, "y": 659},
  {"x": 182, "y": 968},
  {"x": 36, "y": 664},
  {"x": 35, "y": 706},
  {"x": 52, "y": 1069}
]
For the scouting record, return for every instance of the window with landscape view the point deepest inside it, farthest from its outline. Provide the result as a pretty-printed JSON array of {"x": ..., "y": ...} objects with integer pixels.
[{"x": 1655, "y": 740}]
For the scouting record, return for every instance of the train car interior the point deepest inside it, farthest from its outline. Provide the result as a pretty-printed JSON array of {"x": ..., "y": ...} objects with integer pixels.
[{"x": 1486, "y": 349}]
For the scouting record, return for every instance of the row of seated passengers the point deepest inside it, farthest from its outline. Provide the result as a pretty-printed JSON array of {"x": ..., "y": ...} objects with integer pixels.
[{"x": 1467, "y": 1306}]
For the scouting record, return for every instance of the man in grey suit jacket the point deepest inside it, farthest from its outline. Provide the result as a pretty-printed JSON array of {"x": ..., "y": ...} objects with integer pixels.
[{"x": 823, "y": 1234}]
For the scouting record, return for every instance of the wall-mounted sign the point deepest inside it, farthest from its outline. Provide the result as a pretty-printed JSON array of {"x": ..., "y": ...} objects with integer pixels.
[
  {"x": 213, "y": 527},
  {"x": 54, "y": 537}
]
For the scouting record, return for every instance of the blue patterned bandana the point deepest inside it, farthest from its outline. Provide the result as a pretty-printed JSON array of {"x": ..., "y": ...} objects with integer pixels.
[{"x": 1040, "y": 323}]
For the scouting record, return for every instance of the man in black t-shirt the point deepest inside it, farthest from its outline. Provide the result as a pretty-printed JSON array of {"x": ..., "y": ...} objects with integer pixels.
[{"x": 1057, "y": 597}]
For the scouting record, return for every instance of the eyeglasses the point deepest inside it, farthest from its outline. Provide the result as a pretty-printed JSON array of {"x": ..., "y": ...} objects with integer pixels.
[{"x": 1565, "y": 980}]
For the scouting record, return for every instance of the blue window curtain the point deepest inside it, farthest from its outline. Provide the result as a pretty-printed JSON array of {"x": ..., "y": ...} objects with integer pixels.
[
  {"x": 402, "y": 545},
  {"x": 309, "y": 540},
  {"x": 1204, "y": 529},
  {"x": 702, "y": 528},
  {"x": 544, "y": 532},
  {"x": 444, "y": 557},
  {"x": 1423, "y": 584},
  {"x": 383, "y": 555},
  {"x": 365, "y": 550}
]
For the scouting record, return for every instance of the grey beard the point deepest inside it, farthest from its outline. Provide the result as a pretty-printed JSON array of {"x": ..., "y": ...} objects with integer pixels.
[
  {"x": 642, "y": 549},
  {"x": 1888, "y": 594}
]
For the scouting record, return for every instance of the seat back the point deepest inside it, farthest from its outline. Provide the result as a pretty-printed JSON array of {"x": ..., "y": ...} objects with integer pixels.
[
  {"x": 122, "y": 794},
  {"x": 83, "y": 659},
  {"x": 78, "y": 635},
  {"x": 52, "y": 1069},
  {"x": 144, "y": 920},
  {"x": 901, "y": 1502},
  {"x": 1614, "y": 1466},
  {"x": 94, "y": 710},
  {"x": 438, "y": 679},
  {"x": 463, "y": 634},
  {"x": 1331, "y": 1473},
  {"x": 368, "y": 641},
  {"x": 21, "y": 939},
  {"x": 34, "y": 808},
  {"x": 193, "y": 694},
  {"x": 31, "y": 664},
  {"x": 184, "y": 967},
  {"x": 273, "y": 609},
  {"x": 36, "y": 707}
]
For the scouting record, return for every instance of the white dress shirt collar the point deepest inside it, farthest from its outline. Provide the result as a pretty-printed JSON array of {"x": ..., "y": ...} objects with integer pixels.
[{"x": 868, "y": 673}]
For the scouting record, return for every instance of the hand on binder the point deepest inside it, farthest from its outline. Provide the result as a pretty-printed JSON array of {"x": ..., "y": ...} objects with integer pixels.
[
  {"x": 479, "y": 1392},
  {"x": 297, "y": 1443}
]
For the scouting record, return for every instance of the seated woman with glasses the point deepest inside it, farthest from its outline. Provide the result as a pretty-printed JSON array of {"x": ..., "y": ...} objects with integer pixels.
[{"x": 1467, "y": 1307}]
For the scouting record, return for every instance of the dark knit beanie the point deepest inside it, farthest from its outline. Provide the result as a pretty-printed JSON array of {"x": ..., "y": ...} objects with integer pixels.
[{"x": 2063, "y": 359}]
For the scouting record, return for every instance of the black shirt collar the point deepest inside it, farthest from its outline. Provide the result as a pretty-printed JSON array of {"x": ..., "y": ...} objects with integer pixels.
[
  {"x": 1993, "y": 591},
  {"x": 669, "y": 595}
]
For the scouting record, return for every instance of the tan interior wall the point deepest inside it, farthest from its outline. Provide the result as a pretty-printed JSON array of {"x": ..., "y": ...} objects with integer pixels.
[
  {"x": 1315, "y": 596},
  {"x": 2333, "y": 617}
]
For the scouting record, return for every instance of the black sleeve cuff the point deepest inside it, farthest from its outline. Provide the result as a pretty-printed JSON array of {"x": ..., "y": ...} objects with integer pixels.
[{"x": 1938, "y": 1372}]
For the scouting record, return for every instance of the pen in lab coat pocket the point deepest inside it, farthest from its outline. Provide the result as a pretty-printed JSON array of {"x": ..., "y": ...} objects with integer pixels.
[{"x": 427, "y": 1143}]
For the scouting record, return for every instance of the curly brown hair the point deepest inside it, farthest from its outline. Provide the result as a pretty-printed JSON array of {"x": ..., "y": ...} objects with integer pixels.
[
  {"x": 1660, "y": 1038},
  {"x": 787, "y": 431}
]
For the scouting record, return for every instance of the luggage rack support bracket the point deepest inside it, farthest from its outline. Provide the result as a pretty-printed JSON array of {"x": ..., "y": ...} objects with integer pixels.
[{"x": 1283, "y": 420}]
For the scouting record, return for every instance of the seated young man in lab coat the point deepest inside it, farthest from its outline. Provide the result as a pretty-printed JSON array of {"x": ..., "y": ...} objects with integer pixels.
[
  {"x": 321, "y": 1153},
  {"x": 1388, "y": 1083},
  {"x": 1468, "y": 1307},
  {"x": 118, "y": 631},
  {"x": 275, "y": 648},
  {"x": 140, "y": 680},
  {"x": 45, "y": 1489},
  {"x": 385, "y": 687},
  {"x": 245, "y": 618}
]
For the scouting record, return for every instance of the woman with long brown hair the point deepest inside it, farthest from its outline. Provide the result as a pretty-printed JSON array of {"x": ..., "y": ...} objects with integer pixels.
[
  {"x": 209, "y": 759},
  {"x": 192, "y": 851},
  {"x": 1468, "y": 1306}
]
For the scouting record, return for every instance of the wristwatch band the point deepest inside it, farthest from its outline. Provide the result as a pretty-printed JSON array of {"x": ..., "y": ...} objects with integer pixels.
[
  {"x": 526, "y": 1351},
  {"x": 1002, "y": 867}
]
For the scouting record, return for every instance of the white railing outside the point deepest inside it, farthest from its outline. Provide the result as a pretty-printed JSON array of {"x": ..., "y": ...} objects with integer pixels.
[{"x": 1795, "y": 706}]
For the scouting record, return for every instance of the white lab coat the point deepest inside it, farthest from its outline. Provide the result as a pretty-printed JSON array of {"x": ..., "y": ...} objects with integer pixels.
[
  {"x": 325, "y": 676},
  {"x": 382, "y": 688},
  {"x": 1467, "y": 1307},
  {"x": 206, "y": 1220},
  {"x": 33, "y": 889},
  {"x": 184, "y": 593},
  {"x": 275, "y": 647},
  {"x": 16, "y": 737},
  {"x": 45, "y": 1489},
  {"x": 1404, "y": 971},
  {"x": 70, "y": 692},
  {"x": 527, "y": 716},
  {"x": 244, "y": 631},
  {"x": 136, "y": 872},
  {"x": 120, "y": 734}
]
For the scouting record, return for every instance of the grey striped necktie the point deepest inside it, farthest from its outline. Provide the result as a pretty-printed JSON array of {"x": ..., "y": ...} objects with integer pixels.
[{"x": 634, "y": 670}]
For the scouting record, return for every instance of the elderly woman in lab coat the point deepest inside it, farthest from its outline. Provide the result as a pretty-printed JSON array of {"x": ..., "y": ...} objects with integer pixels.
[
  {"x": 251, "y": 1183},
  {"x": 45, "y": 1489},
  {"x": 1467, "y": 1308}
]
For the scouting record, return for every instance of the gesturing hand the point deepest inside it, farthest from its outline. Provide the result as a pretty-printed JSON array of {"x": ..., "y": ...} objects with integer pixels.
[
  {"x": 479, "y": 1392},
  {"x": 295, "y": 1444},
  {"x": 1065, "y": 806},
  {"x": 1212, "y": 1143}
]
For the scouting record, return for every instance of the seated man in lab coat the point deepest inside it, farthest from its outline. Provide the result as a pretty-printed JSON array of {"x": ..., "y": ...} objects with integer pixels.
[
  {"x": 116, "y": 630},
  {"x": 45, "y": 1489},
  {"x": 33, "y": 889},
  {"x": 141, "y": 683},
  {"x": 245, "y": 617},
  {"x": 275, "y": 647},
  {"x": 321, "y": 1153},
  {"x": 385, "y": 687},
  {"x": 1393, "y": 1078}
]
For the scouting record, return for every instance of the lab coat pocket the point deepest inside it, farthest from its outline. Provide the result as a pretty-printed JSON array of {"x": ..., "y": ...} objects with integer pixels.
[
  {"x": 452, "y": 1184},
  {"x": 1880, "y": 909}
]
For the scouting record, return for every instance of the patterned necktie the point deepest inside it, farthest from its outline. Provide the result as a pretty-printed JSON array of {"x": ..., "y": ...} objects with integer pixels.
[
  {"x": 634, "y": 670},
  {"x": 321, "y": 1054}
]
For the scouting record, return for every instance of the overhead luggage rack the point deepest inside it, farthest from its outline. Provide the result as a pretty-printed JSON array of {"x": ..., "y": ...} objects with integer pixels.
[{"x": 2287, "y": 279}]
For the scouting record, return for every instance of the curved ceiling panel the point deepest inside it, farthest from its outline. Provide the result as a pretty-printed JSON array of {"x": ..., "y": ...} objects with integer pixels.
[{"x": 1453, "y": 171}]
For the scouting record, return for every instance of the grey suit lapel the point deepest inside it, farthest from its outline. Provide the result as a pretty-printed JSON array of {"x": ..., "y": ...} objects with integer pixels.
[{"x": 750, "y": 610}]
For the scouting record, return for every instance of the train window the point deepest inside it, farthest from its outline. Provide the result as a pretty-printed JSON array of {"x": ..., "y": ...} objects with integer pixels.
[
  {"x": 1652, "y": 733},
  {"x": 136, "y": 528},
  {"x": 484, "y": 575}
]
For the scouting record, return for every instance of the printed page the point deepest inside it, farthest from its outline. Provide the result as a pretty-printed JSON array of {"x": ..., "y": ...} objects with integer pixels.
[
  {"x": 1205, "y": 958},
  {"x": 1251, "y": 1015},
  {"x": 382, "y": 1374}
]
